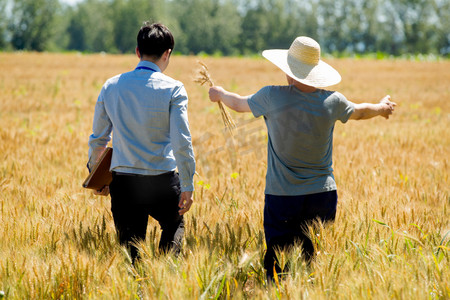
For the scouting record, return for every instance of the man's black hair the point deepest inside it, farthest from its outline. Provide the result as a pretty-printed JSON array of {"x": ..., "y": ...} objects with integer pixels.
[{"x": 154, "y": 39}]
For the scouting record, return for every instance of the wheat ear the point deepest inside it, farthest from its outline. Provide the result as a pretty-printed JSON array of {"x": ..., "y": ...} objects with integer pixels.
[{"x": 203, "y": 78}]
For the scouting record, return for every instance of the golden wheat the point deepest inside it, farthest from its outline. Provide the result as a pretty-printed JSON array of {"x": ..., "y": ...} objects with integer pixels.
[
  {"x": 390, "y": 238},
  {"x": 204, "y": 77}
]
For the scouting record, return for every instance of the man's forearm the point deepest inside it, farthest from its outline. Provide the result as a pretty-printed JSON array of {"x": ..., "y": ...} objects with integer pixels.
[
  {"x": 186, "y": 167},
  {"x": 364, "y": 111},
  {"x": 367, "y": 111},
  {"x": 234, "y": 101}
]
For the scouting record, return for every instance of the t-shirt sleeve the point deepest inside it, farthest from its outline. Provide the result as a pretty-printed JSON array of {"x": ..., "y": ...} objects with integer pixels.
[
  {"x": 259, "y": 102},
  {"x": 344, "y": 108}
]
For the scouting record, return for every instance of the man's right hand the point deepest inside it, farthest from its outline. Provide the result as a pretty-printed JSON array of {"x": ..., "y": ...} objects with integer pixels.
[
  {"x": 216, "y": 93},
  {"x": 103, "y": 192},
  {"x": 234, "y": 101}
]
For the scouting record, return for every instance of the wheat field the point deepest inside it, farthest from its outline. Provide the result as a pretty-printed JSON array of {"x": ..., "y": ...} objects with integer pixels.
[{"x": 390, "y": 239}]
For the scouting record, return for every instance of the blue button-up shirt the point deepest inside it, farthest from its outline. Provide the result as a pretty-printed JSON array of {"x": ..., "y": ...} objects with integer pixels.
[{"x": 147, "y": 111}]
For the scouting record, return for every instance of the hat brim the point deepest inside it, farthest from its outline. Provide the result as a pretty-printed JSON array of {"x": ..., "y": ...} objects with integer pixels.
[{"x": 320, "y": 75}]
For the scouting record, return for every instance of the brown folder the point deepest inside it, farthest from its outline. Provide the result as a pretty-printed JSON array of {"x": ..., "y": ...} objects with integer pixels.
[{"x": 100, "y": 175}]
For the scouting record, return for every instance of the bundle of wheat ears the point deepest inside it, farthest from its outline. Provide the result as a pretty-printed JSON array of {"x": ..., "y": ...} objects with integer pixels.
[{"x": 204, "y": 77}]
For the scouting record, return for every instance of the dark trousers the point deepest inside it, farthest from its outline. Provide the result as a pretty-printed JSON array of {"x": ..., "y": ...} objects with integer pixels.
[
  {"x": 285, "y": 221},
  {"x": 135, "y": 197}
]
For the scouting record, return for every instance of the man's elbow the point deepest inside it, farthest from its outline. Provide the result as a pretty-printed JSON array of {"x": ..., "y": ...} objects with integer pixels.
[
  {"x": 240, "y": 109},
  {"x": 183, "y": 149},
  {"x": 357, "y": 117},
  {"x": 358, "y": 114}
]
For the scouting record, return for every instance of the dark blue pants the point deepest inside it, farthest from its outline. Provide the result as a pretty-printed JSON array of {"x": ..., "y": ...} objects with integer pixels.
[
  {"x": 135, "y": 197},
  {"x": 285, "y": 219}
]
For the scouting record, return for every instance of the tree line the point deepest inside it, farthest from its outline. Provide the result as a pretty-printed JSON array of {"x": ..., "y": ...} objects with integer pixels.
[{"x": 229, "y": 27}]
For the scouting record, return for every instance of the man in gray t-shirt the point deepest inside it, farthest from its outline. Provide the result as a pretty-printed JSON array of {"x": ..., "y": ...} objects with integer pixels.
[
  {"x": 300, "y": 118},
  {"x": 300, "y": 144}
]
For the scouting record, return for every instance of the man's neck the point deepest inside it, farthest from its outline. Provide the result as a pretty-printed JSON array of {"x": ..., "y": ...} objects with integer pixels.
[
  {"x": 157, "y": 62},
  {"x": 304, "y": 88},
  {"x": 146, "y": 58}
]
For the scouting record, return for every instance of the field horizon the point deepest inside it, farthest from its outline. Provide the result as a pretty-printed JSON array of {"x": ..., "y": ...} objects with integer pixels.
[{"x": 391, "y": 237}]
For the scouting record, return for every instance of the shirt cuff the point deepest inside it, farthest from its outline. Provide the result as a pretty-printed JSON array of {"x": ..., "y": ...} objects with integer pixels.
[{"x": 187, "y": 187}]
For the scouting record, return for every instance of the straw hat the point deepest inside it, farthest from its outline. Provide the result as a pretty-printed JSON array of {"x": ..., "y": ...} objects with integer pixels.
[{"x": 302, "y": 62}]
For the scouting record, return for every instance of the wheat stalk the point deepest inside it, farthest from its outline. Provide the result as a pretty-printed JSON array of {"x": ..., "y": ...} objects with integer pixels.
[{"x": 203, "y": 78}]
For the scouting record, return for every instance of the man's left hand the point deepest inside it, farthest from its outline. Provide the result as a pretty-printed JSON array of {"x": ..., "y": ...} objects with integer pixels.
[{"x": 185, "y": 202}]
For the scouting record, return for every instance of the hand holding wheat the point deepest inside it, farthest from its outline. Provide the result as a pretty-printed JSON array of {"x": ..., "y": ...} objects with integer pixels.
[{"x": 203, "y": 78}]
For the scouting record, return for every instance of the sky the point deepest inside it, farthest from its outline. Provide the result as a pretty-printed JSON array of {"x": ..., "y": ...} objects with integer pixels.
[{"x": 71, "y": 2}]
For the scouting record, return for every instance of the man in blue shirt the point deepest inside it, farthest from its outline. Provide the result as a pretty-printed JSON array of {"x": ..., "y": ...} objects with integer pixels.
[
  {"x": 300, "y": 118},
  {"x": 147, "y": 111}
]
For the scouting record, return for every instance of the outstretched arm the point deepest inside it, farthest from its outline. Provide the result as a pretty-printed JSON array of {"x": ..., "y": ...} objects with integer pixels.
[
  {"x": 234, "y": 101},
  {"x": 365, "y": 111}
]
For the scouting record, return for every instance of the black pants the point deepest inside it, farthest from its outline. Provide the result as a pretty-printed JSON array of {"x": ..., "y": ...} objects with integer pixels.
[
  {"x": 285, "y": 219},
  {"x": 134, "y": 198}
]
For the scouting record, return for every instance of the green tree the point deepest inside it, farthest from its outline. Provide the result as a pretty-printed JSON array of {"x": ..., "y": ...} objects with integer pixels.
[
  {"x": 31, "y": 23},
  {"x": 307, "y": 19},
  {"x": 255, "y": 28},
  {"x": 442, "y": 21},
  {"x": 77, "y": 31},
  {"x": 90, "y": 29},
  {"x": 333, "y": 25},
  {"x": 195, "y": 19},
  {"x": 369, "y": 29},
  {"x": 275, "y": 23},
  {"x": 3, "y": 24},
  {"x": 414, "y": 17},
  {"x": 227, "y": 28},
  {"x": 283, "y": 23},
  {"x": 128, "y": 16}
]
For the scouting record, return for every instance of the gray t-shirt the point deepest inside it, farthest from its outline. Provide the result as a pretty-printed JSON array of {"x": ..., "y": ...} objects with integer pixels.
[{"x": 300, "y": 128}]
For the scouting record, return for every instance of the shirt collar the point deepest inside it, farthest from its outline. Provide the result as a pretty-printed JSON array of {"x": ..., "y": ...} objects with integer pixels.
[{"x": 149, "y": 64}]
